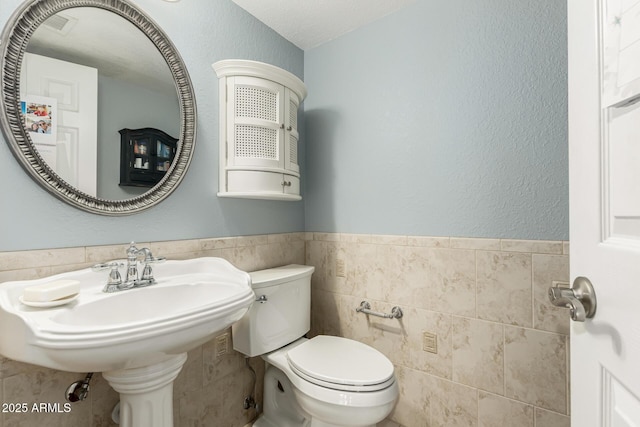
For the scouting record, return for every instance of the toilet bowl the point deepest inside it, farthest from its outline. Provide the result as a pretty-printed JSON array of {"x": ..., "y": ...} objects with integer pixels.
[
  {"x": 324, "y": 381},
  {"x": 358, "y": 390}
]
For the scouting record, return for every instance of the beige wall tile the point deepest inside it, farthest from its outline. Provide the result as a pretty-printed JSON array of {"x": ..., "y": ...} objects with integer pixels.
[
  {"x": 218, "y": 243},
  {"x": 474, "y": 243},
  {"x": 103, "y": 400},
  {"x": 279, "y": 238},
  {"x": 100, "y": 254},
  {"x": 363, "y": 270},
  {"x": 453, "y": 404},
  {"x": 389, "y": 336},
  {"x": 220, "y": 400},
  {"x": 277, "y": 254},
  {"x": 10, "y": 367},
  {"x": 329, "y": 237},
  {"x": 478, "y": 354},
  {"x": 546, "y": 270},
  {"x": 536, "y": 368},
  {"x": 551, "y": 419},
  {"x": 260, "y": 239},
  {"x": 419, "y": 322},
  {"x": 414, "y": 405},
  {"x": 423, "y": 275},
  {"x": 388, "y": 423},
  {"x": 40, "y": 258},
  {"x": 325, "y": 313},
  {"x": 431, "y": 242},
  {"x": 382, "y": 239},
  {"x": 25, "y": 274},
  {"x": 355, "y": 238},
  {"x": 533, "y": 246},
  {"x": 390, "y": 274},
  {"x": 496, "y": 411},
  {"x": 242, "y": 257},
  {"x": 504, "y": 287},
  {"x": 219, "y": 366},
  {"x": 323, "y": 256},
  {"x": 41, "y": 385},
  {"x": 434, "y": 279},
  {"x": 171, "y": 249},
  {"x": 191, "y": 375},
  {"x": 316, "y": 255}
]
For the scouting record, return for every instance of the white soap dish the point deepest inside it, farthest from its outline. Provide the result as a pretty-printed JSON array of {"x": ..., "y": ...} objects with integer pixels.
[{"x": 48, "y": 304}]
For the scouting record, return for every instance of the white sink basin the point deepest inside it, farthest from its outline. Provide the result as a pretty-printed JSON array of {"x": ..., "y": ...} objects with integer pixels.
[{"x": 191, "y": 302}]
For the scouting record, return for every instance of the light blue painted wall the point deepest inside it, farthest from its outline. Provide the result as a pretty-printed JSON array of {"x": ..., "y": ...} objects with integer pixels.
[
  {"x": 204, "y": 31},
  {"x": 447, "y": 118}
]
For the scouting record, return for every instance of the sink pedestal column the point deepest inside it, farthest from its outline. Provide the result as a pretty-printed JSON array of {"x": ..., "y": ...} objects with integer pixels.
[{"x": 146, "y": 393}]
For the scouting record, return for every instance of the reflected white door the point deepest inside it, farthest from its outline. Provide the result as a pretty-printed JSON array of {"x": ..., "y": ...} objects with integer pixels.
[
  {"x": 604, "y": 172},
  {"x": 75, "y": 87}
]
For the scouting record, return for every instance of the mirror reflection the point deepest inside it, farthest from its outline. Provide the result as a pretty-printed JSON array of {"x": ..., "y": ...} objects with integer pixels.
[{"x": 88, "y": 74}]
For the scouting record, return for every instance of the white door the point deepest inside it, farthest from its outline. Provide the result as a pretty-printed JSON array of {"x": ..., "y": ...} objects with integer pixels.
[
  {"x": 604, "y": 174},
  {"x": 75, "y": 87}
]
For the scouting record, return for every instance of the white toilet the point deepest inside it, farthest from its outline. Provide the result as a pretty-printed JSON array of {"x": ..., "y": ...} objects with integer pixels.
[{"x": 320, "y": 382}]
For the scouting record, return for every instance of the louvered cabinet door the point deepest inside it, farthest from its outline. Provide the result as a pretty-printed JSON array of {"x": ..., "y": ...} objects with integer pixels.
[
  {"x": 255, "y": 123},
  {"x": 259, "y": 134}
]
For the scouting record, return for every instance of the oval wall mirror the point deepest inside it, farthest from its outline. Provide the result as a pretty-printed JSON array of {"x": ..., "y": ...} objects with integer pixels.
[{"x": 76, "y": 75}]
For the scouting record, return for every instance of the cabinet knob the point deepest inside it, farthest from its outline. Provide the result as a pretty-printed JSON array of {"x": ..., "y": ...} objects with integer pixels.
[
  {"x": 289, "y": 128},
  {"x": 282, "y": 126},
  {"x": 286, "y": 183}
]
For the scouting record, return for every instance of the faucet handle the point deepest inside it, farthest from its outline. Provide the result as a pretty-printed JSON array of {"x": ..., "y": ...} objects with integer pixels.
[
  {"x": 154, "y": 260},
  {"x": 114, "y": 265},
  {"x": 147, "y": 273},
  {"x": 149, "y": 258},
  {"x": 115, "y": 280}
]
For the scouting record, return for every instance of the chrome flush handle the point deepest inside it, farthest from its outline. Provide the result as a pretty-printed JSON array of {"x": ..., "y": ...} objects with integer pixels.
[{"x": 580, "y": 299}]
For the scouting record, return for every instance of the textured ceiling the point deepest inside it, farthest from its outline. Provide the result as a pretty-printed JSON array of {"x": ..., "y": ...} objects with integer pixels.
[{"x": 310, "y": 23}]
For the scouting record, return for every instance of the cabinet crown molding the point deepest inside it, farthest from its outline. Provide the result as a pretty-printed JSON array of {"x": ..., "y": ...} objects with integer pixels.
[{"x": 245, "y": 67}]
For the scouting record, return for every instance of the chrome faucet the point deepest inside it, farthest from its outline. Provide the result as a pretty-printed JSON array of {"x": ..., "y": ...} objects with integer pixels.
[
  {"x": 132, "y": 266},
  {"x": 133, "y": 279}
]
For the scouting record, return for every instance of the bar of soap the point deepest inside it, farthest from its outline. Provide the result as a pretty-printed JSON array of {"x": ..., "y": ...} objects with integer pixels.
[{"x": 51, "y": 291}]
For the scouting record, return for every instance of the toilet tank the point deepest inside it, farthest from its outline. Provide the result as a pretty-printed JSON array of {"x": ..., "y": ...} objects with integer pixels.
[{"x": 282, "y": 316}]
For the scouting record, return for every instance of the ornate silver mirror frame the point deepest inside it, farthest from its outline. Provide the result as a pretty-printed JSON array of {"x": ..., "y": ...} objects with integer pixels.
[{"x": 14, "y": 40}]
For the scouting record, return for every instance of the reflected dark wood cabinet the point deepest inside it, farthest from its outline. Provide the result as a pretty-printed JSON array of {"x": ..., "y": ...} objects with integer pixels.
[{"x": 145, "y": 156}]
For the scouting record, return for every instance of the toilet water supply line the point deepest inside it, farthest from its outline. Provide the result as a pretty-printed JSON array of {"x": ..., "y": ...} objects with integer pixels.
[{"x": 249, "y": 401}]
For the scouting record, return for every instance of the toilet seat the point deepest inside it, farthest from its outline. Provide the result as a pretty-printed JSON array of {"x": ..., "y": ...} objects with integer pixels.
[{"x": 341, "y": 364}]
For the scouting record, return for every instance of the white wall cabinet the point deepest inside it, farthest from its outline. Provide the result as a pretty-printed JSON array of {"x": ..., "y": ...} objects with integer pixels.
[{"x": 258, "y": 130}]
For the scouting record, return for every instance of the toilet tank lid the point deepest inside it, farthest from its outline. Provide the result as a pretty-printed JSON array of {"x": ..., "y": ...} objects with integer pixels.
[{"x": 278, "y": 275}]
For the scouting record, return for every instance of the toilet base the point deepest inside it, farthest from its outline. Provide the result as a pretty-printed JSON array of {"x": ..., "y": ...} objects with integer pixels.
[
  {"x": 317, "y": 423},
  {"x": 264, "y": 422},
  {"x": 280, "y": 407}
]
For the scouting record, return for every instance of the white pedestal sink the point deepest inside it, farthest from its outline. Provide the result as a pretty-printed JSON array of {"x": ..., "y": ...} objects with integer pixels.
[
  {"x": 137, "y": 338},
  {"x": 146, "y": 393}
]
